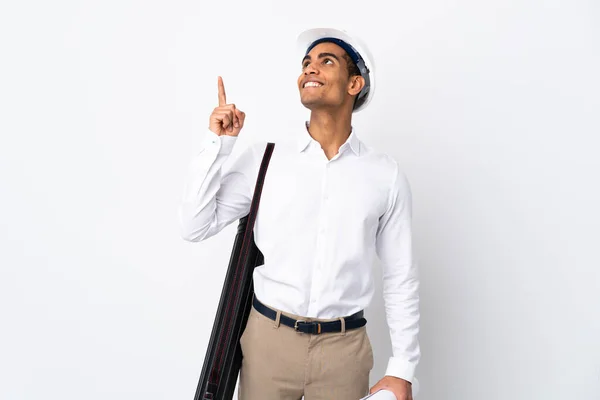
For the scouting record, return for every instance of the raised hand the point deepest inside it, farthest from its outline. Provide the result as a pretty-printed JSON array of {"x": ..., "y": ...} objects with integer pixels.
[{"x": 226, "y": 119}]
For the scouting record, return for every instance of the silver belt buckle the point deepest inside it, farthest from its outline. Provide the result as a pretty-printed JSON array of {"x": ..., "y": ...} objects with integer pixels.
[{"x": 296, "y": 324}]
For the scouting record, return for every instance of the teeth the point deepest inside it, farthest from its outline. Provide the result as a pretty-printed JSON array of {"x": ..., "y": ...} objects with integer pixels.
[{"x": 312, "y": 84}]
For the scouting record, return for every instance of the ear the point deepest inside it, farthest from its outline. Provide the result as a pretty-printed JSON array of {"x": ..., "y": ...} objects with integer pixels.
[{"x": 355, "y": 85}]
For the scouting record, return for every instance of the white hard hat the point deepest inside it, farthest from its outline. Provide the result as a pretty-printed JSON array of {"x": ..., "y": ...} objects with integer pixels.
[{"x": 357, "y": 50}]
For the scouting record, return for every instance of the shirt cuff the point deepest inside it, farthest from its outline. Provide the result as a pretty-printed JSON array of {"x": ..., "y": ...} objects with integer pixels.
[
  {"x": 401, "y": 369},
  {"x": 223, "y": 144}
]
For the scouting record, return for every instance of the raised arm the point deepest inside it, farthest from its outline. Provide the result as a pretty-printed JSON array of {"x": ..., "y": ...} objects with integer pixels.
[{"x": 213, "y": 197}]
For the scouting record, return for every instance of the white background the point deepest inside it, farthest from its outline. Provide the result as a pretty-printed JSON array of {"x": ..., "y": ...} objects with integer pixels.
[{"x": 491, "y": 107}]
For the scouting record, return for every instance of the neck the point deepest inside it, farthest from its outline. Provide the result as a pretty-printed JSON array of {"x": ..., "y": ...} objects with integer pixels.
[{"x": 330, "y": 129}]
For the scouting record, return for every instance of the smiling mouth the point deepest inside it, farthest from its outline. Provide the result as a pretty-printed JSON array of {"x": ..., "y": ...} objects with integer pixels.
[{"x": 312, "y": 85}]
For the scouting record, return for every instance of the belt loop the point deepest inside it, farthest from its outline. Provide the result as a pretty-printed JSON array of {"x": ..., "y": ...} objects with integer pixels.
[
  {"x": 343, "y": 320},
  {"x": 277, "y": 319}
]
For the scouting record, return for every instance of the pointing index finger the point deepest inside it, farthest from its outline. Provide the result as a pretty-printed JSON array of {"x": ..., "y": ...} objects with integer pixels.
[{"x": 222, "y": 100}]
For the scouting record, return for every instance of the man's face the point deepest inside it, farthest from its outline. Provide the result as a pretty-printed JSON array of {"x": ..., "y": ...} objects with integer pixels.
[{"x": 324, "y": 81}]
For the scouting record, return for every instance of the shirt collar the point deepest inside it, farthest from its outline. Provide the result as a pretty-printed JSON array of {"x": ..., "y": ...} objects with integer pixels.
[{"x": 305, "y": 139}]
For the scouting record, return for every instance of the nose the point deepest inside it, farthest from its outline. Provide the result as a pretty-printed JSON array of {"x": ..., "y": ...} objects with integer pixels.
[{"x": 310, "y": 69}]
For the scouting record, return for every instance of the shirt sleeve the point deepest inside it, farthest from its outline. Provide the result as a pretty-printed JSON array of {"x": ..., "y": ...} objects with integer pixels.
[
  {"x": 214, "y": 196},
  {"x": 400, "y": 279}
]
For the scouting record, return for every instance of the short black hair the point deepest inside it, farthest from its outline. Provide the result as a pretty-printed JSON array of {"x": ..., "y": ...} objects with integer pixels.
[
  {"x": 352, "y": 68},
  {"x": 353, "y": 71}
]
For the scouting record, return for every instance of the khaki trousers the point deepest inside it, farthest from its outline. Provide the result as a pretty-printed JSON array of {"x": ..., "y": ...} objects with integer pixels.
[{"x": 282, "y": 364}]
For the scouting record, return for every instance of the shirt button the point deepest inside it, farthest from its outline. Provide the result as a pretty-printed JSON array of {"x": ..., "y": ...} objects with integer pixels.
[{"x": 313, "y": 301}]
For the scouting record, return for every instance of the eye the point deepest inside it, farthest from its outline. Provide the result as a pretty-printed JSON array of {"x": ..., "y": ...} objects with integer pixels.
[{"x": 328, "y": 59}]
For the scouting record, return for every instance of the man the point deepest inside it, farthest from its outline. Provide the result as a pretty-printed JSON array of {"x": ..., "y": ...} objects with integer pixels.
[{"x": 328, "y": 205}]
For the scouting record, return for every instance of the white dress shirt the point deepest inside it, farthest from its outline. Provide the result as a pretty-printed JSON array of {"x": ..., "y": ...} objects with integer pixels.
[{"x": 319, "y": 224}]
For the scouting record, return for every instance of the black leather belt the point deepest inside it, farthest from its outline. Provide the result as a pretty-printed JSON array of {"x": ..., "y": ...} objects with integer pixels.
[{"x": 351, "y": 322}]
